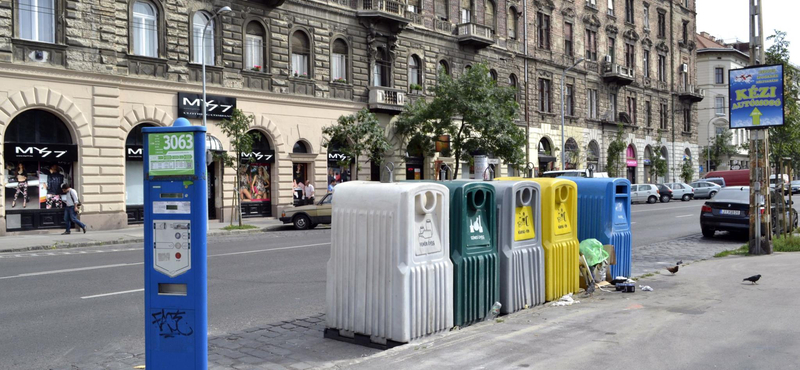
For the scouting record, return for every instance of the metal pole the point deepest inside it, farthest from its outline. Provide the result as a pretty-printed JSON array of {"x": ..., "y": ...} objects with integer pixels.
[
  {"x": 758, "y": 206},
  {"x": 708, "y": 148},
  {"x": 563, "y": 76}
]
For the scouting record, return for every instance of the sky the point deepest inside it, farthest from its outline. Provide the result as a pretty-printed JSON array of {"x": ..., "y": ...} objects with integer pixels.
[{"x": 728, "y": 19}]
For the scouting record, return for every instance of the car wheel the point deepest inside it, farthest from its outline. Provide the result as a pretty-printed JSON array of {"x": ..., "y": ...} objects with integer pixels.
[
  {"x": 301, "y": 222},
  {"x": 652, "y": 199},
  {"x": 665, "y": 199},
  {"x": 712, "y": 194},
  {"x": 686, "y": 198},
  {"x": 707, "y": 232}
]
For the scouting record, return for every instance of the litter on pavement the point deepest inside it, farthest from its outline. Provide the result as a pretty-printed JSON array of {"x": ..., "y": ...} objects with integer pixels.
[
  {"x": 645, "y": 288},
  {"x": 566, "y": 300}
]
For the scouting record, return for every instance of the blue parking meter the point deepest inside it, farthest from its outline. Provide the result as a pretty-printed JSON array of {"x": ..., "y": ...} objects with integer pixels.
[{"x": 175, "y": 220}]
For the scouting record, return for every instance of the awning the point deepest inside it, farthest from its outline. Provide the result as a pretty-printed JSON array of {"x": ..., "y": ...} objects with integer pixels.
[
  {"x": 544, "y": 158},
  {"x": 213, "y": 144}
]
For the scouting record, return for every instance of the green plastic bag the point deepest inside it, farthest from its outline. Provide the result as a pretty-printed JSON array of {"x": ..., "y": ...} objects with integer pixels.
[{"x": 594, "y": 252}]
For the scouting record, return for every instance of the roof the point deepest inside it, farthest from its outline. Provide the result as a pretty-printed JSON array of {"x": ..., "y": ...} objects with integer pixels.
[{"x": 707, "y": 43}]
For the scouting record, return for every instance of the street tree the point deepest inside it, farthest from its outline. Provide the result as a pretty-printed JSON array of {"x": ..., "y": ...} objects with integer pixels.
[
  {"x": 614, "y": 153},
  {"x": 241, "y": 141},
  {"x": 658, "y": 162},
  {"x": 687, "y": 170},
  {"x": 784, "y": 140},
  {"x": 474, "y": 111},
  {"x": 358, "y": 135},
  {"x": 721, "y": 148}
]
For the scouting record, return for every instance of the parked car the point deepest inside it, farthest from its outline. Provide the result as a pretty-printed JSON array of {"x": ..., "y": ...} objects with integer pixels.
[
  {"x": 732, "y": 177},
  {"x": 795, "y": 186},
  {"x": 682, "y": 191},
  {"x": 308, "y": 217},
  {"x": 704, "y": 189},
  {"x": 716, "y": 180},
  {"x": 773, "y": 180},
  {"x": 665, "y": 193},
  {"x": 730, "y": 211},
  {"x": 644, "y": 193}
]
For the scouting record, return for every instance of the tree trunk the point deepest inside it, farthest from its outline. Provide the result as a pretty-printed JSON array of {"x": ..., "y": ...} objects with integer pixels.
[{"x": 458, "y": 165}]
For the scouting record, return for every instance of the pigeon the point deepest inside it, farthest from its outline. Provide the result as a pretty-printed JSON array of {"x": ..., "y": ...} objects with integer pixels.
[
  {"x": 673, "y": 270},
  {"x": 679, "y": 262},
  {"x": 752, "y": 279}
]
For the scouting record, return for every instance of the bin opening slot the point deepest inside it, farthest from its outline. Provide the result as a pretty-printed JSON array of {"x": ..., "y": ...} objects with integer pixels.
[
  {"x": 622, "y": 189},
  {"x": 171, "y": 289}
]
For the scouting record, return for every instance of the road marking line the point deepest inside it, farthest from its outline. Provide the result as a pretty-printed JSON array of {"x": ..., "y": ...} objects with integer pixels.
[
  {"x": 683, "y": 216},
  {"x": 141, "y": 263},
  {"x": 268, "y": 250},
  {"x": 70, "y": 270},
  {"x": 663, "y": 209},
  {"x": 114, "y": 293}
]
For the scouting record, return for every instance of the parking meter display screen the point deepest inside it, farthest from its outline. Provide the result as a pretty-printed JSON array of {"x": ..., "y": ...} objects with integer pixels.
[{"x": 171, "y": 154}]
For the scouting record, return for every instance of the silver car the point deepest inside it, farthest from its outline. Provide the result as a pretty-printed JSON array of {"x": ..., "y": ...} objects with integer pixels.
[
  {"x": 682, "y": 191},
  {"x": 705, "y": 189},
  {"x": 644, "y": 193}
]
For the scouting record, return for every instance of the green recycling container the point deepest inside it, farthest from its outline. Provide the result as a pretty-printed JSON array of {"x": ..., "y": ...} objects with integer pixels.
[{"x": 473, "y": 250}]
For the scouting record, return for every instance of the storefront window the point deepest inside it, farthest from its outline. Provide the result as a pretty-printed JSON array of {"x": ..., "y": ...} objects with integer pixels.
[
  {"x": 134, "y": 174},
  {"x": 337, "y": 173},
  {"x": 39, "y": 157},
  {"x": 255, "y": 180}
]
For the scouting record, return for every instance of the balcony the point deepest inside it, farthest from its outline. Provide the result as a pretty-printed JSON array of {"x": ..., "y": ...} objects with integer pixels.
[
  {"x": 475, "y": 34},
  {"x": 617, "y": 74},
  {"x": 386, "y": 100},
  {"x": 691, "y": 94},
  {"x": 391, "y": 12}
]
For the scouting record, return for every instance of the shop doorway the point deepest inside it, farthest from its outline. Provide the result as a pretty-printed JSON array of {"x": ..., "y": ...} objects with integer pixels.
[
  {"x": 632, "y": 163},
  {"x": 337, "y": 171},
  {"x": 255, "y": 181},
  {"x": 546, "y": 156},
  {"x": 40, "y": 156},
  {"x": 212, "y": 190},
  {"x": 415, "y": 161}
]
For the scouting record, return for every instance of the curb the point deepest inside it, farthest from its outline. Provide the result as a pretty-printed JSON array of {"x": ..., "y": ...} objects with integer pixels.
[{"x": 133, "y": 240}]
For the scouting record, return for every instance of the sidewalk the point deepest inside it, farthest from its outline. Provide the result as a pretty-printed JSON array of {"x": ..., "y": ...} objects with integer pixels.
[
  {"x": 704, "y": 317},
  {"x": 131, "y": 234}
]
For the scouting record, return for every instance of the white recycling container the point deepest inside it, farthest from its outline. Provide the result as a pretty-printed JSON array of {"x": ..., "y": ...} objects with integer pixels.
[
  {"x": 519, "y": 244},
  {"x": 389, "y": 275}
]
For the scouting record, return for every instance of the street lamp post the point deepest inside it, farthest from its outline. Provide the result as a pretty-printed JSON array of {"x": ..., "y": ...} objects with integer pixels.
[
  {"x": 224, "y": 9},
  {"x": 564, "y": 76}
]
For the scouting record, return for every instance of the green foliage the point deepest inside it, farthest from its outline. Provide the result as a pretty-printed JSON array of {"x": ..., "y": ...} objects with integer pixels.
[
  {"x": 358, "y": 134},
  {"x": 615, "y": 149},
  {"x": 477, "y": 114},
  {"x": 658, "y": 162},
  {"x": 239, "y": 227},
  {"x": 687, "y": 170},
  {"x": 241, "y": 141},
  {"x": 785, "y": 244},
  {"x": 415, "y": 87},
  {"x": 784, "y": 141},
  {"x": 741, "y": 251},
  {"x": 721, "y": 148}
]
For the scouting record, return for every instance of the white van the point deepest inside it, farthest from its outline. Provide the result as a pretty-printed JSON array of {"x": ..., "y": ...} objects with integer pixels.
[{"x": 773, "y": 180}]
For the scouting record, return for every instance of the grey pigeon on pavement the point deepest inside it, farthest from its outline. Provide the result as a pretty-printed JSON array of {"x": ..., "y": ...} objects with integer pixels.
[
  {"x": 679, "y": 262},
  {"x": 752, "y": 279}
]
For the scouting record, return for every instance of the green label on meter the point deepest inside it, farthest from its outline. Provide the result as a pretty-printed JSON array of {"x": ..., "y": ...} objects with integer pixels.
[{"x": 171, "y": 154}]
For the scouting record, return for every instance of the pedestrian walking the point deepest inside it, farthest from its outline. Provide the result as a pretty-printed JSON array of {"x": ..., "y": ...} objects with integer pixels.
[
  {"x": 310, "y": 193},
  {"x": 71, "y": 201}
]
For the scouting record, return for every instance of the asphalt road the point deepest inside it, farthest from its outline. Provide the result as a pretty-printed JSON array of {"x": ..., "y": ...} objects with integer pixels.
[
  {"x": 66, "y": 308},
  {"x": 70, "y": 306}
]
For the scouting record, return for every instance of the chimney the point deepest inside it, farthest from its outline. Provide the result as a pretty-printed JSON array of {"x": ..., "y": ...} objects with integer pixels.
[{"x": 704, "y": 34}]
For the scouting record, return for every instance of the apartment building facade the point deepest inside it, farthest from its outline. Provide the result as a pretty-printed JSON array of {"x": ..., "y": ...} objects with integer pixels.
[{"x": 80, "y": 78}]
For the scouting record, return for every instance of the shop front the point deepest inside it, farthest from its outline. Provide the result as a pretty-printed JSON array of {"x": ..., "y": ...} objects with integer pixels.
[
  {"x": 415, "y": 162},
  {"x": 255, "y": 180},
  {"x": 39, "y": 155},
  {"x": 631, "y": 163},
  {"x": 134, "y": 174},
  {"x": 337, "y": 172},
  {"x": 546, "y": 157}
]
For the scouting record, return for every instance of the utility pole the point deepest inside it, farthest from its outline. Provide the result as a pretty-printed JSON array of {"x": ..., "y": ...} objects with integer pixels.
[{"x": 759, "y": 144}]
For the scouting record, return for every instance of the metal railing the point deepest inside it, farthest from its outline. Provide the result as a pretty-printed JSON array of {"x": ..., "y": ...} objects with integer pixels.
[{"x": 388, "y": 6}]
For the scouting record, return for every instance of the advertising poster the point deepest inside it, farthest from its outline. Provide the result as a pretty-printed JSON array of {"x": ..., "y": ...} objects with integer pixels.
[{"x": 756, "y": 97}]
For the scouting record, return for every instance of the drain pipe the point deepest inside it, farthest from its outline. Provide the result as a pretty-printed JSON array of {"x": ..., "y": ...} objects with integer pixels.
[{"x": 527, "y": 100}]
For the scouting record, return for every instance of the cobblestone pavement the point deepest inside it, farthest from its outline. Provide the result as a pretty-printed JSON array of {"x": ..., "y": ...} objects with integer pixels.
[
  {"x": 299, "y": 344},
  {"x": 658, "y": 256}
]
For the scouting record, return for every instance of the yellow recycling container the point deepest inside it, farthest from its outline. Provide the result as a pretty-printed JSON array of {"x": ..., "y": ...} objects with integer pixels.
[{"x": 559, "y": 235}]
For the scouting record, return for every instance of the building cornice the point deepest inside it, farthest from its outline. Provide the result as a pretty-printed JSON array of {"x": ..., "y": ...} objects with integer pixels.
[{"x": 47, "y": 75}]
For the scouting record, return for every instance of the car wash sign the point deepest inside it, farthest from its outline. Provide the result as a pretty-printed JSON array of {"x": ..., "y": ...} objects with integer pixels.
[{"x": 756, "y": 97}]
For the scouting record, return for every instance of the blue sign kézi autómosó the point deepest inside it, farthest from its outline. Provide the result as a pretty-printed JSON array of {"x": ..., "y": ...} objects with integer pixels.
[{"x": 756, "y": 97}]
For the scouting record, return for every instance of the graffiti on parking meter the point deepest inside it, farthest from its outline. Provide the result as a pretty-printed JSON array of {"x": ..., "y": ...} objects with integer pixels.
[
  {"x": 562, "y": 220},
  {"x": 756, "y": 96},
  {"x": 523, "y": 229},
  {"x": 171, "y": 324}
]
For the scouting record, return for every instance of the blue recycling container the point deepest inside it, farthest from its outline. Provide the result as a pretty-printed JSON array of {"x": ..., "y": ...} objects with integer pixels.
[{"x": 604, "y": 213}]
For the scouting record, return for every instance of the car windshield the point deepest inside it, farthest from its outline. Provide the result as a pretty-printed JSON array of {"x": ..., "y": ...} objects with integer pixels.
[
  {"x": 739, "y": 194},
  {"x": 328, "y": 199}
]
